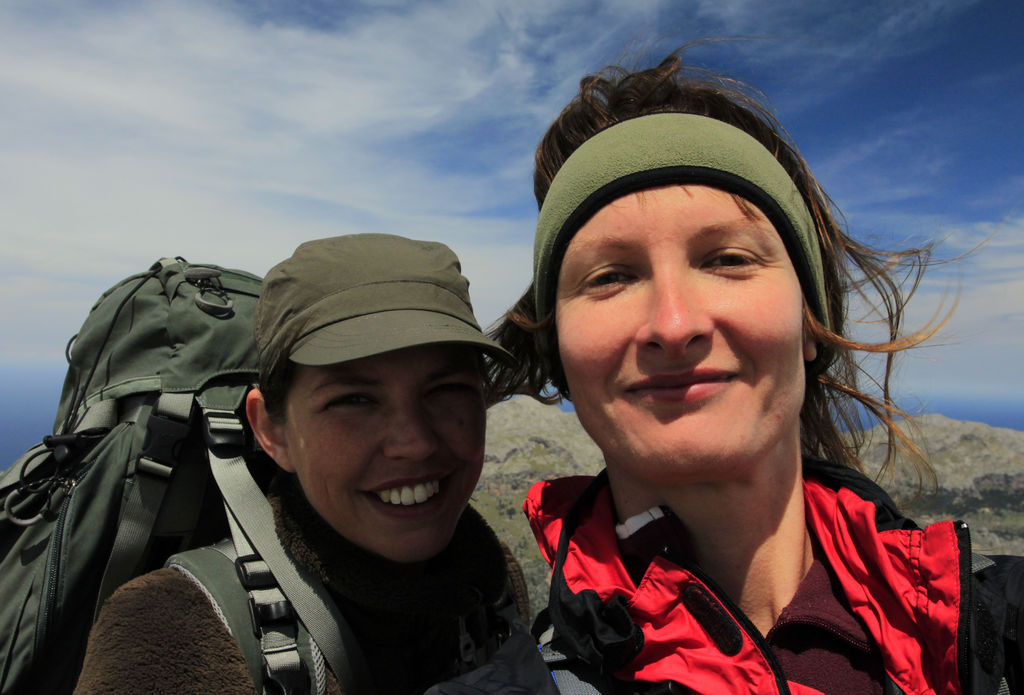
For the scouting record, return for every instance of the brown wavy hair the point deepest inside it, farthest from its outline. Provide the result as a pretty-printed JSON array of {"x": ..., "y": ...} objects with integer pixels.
[{"x": 833, "y": 402}]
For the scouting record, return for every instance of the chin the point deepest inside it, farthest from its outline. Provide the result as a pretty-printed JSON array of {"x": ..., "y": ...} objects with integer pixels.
[{"x": 415, "y": 550}]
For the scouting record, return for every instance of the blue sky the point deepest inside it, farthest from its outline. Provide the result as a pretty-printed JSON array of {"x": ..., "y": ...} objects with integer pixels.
[{"x": 229, "y": 132}]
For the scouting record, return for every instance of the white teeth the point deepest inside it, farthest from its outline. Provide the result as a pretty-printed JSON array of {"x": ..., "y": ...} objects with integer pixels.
[
  {"x": 419, "y": 494},
  {"x": 408, "y": 495}
]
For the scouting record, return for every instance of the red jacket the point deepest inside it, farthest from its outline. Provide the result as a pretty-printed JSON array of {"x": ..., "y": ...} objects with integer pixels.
[{"x": 902, "y": 582}]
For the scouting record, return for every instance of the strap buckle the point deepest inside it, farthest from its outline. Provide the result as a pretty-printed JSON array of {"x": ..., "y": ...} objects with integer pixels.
[
  {"x": 223, "y": 428},
  {"x": 162, "y": 445},
  {"x": 253, "y": 572},
  {"x": 287, "y": 672},
  {"x": 267, "y": 609}
]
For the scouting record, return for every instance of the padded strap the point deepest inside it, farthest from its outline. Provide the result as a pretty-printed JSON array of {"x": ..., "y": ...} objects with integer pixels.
[
  {"x": 166, "y": 426},
  {"x": 272, "y": 617},
  {"x": 278, "y": 633},
  {"x": 214, "y": 570},
  {"x": 980, "y": 563},
  {"x": 307, "y": 595}
]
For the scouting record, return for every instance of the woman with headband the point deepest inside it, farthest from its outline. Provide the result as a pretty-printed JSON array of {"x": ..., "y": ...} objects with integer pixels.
[{"x": 690, "y": 298}]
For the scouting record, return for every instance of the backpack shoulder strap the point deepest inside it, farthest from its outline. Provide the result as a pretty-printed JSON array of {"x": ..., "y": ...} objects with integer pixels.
[
  {"x": 212, "y": 570},
  {"x": 166, "y": 427},
  {"x": 572, "y": 676},
  {"x": 279, "y": 651},
  {"x": 248, "y": 507},
  {"x": 997, "y": 620}
]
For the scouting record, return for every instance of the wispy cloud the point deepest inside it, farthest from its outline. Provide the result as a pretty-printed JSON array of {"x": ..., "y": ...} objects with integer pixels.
[
  {"x": 136, "y": 130},
  {"x": 229, "y": 132}
]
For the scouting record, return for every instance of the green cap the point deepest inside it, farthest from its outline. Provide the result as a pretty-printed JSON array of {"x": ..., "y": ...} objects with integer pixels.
[{"x": 354, "y": 296}]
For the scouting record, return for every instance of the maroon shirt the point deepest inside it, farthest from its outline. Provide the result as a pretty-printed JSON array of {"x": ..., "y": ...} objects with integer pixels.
[{"x": 817, "y": 641}]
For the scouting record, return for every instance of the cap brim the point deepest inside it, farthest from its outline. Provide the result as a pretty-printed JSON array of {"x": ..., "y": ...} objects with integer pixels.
[{"x": 373, "y": 334}]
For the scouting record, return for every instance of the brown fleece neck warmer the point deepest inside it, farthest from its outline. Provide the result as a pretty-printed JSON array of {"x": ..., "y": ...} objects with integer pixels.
[{"x": 466, "y": 575}]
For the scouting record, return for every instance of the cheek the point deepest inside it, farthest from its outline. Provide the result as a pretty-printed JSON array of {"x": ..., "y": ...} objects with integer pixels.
[
  {"x": 463, "y": 425},
  {"x": 470, "y": 435},
  {"x": 776, "y": 316},
  {"x": 329, "y": 454},
  {"x": 586, "y": 345},
  {"x": 784, "y": 344}
]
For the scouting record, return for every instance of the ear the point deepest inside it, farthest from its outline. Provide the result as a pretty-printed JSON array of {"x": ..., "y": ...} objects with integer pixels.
[
  {"x": 810, "y": 349},
  {"x": 269, "y": 433}
]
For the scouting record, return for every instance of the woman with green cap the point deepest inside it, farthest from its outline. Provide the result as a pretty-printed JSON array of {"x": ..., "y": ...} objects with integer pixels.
[
  {"x": 689, "y": 297},
  {"x": 371, "y": 401}
]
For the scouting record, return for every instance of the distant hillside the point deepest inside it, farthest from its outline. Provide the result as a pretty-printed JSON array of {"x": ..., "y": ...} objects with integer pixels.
[
  {"x": 980, "y": 472},
  {"x": 527, "y": 442}
]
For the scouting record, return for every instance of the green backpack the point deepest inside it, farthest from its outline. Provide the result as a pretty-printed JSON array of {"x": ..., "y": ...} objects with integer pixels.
[{"x": 149, "y": 447}]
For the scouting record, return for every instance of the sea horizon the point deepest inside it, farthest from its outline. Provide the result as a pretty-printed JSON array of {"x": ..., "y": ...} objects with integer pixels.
[{"x": 32, "y": 395}]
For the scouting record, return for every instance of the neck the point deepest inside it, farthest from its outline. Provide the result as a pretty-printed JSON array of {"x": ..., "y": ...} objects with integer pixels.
[
  {"x": 758, "y": 565},
  {"x": 750, "y": 537}
]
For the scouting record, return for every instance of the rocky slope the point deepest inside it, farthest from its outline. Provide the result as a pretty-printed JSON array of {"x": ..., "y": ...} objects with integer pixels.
[
  {"x": 979, "y": 470},
  {"x": 527, "y": 442},
  {"x": 979, "y": 477}
]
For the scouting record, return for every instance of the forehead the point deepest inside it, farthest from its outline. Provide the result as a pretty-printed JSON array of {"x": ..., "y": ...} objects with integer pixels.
[{"x": 701, "y": 210}]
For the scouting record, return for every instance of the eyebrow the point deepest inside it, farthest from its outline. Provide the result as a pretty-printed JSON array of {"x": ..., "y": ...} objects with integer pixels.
[
  {"x": 740, "y": 225},
  {"x": 746, "y": 224},
  {"x": 455, "y": 366},
  {"x": 348, "y": 376},
  {"x": 343, "y": 377}
]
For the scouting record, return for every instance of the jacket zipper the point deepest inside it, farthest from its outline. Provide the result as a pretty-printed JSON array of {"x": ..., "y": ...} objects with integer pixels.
[{"x": 741, "y": 619}]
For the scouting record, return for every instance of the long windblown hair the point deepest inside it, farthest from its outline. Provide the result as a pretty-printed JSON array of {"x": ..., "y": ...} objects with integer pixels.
[{"x": 835, "y": 404}]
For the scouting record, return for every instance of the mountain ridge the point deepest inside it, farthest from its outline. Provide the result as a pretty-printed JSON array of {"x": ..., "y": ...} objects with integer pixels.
[{"x": 979, "y": 473}]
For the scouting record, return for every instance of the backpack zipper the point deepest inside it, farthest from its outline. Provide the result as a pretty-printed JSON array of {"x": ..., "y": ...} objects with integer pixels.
[
  {"x": 45, "y": 622},
  {"x": 53, "y": 570}
]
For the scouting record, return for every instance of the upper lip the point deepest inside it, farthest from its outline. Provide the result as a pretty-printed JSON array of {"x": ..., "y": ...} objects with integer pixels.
[
  {"x": 408, "y": 482},
  {"x": 675, "y": 380}
]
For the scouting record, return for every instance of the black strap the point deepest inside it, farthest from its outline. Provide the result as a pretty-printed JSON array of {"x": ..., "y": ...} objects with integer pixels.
[{"x": 601, "y": 633}]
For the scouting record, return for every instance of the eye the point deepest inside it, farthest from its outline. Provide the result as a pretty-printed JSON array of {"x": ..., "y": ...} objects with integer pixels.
[
  {"x": 450, "y": 387},
  {"x": 348, "y": 400},
  {"x": 457, "y": 387},
  {"x": 607, "y": 277},
  {"x": 467, "y": 384},
  {"x": 731, "y": 259}
]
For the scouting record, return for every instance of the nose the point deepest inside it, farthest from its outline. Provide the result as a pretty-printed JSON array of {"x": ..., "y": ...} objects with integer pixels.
[
  {"x": 676, "y": 315},
  {"x": 410, "y": 434}
]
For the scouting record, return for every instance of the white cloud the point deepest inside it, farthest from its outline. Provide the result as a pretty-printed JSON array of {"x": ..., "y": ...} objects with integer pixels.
[
  {"x": 135, "y": 130},
  {"x": 154, "y": 130},
  {"x": 975, "y": 353}
]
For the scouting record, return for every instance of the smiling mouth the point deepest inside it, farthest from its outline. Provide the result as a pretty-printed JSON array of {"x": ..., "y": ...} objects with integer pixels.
[
  {"x": 678, "y": 382},
  {"x": 408, "y": 495},
  {"x": 688, "y": 387}
]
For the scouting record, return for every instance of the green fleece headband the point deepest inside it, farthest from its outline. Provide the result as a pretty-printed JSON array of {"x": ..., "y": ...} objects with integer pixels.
[{"x": 664, "y": 149}]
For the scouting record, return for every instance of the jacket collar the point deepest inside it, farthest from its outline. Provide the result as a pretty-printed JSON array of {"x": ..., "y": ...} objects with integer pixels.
[{"x": 849, "y": 514}]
